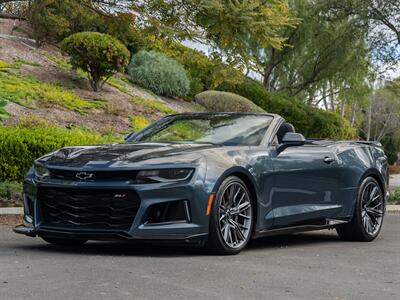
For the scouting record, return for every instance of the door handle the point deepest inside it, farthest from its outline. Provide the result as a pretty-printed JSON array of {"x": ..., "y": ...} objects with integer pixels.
[{"x": 328, "y": 160}]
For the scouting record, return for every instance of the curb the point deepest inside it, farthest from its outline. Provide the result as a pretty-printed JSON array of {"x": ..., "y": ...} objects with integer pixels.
[
  {"x": 20, "y": 210},
  {"x": 393, "y": 208},
  {"x": 11, "y": 210}
]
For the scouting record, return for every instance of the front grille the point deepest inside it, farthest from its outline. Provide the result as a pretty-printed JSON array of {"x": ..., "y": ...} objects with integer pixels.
[
  {"x": 88, "y": 208},
  {"x": 96, "y": 175}
]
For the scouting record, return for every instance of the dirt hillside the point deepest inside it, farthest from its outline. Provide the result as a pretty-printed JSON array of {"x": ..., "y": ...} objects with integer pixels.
[{"x": 119, "y": 100}]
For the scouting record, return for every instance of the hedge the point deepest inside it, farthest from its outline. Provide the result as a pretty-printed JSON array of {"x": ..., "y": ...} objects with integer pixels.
[
  {"x": 312, "y": 122},
  {"x": 226, "y": 102},
  {"x": 19, "y": 147}
]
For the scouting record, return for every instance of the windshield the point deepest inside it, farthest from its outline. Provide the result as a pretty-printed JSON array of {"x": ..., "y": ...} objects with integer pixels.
[{"x": 224, "y": 129}]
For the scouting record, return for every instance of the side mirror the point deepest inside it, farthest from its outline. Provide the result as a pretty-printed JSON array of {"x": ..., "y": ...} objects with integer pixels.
[
  {"x": 128, "y": 136},
  {"x": 291, "y": 139}
]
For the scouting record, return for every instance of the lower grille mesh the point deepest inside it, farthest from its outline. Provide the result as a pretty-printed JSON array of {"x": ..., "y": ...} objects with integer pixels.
[{"x": 88, "y": 209}]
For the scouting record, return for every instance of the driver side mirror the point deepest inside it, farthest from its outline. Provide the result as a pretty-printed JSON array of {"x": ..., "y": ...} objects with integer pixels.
[{"x": 291, "y": 139}]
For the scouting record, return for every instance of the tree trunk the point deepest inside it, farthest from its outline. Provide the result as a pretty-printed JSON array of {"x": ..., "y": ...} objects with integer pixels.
[
  {"x": 269, "y": 67},
  {"x": 369, "y": 120},
  {"x": 332, "y": 96},
  {"x": 342, "y": 108},
  {"x": 324, "y": 97},
  {"x": 353, "y": 113}
]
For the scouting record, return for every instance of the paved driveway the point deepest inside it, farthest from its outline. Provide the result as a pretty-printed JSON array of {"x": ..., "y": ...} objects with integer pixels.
[{"x": 305, "y": 266}]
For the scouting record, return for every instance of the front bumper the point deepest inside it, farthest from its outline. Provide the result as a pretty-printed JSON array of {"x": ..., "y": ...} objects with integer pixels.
[{"x": 194, "y": 229}]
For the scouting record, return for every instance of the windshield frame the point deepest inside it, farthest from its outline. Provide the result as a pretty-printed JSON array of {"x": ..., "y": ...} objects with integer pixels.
[{"x": 135, "y": 137}]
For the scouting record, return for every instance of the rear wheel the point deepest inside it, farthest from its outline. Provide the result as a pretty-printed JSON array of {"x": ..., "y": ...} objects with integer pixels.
[
  {"x": 232, "y": 217},
  {"x": 64, "y": 242},
  {"x": 368, "y": 213}
]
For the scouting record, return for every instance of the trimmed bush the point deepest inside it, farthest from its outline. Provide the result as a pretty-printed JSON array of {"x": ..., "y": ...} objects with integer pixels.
[
  {"x": 310, "y": 121},
  {"x": 19, "y": 147},
  {"x": 159, "y": 73},
  {"x": 98, "y": 54},
  {"x": 226, "y": 102},
  {"x": 205, "y": 73}
]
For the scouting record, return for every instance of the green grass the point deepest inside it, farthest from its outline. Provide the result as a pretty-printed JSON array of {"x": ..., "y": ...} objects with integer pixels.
[
  {"x": 3, "y": 112},
  {"x": 25, "y": 90},
  {"x": 152, "y": 106},
  {"x": 61, "y": 62},
  {"x": 119, "y": 84},
  {"x": 18, "y": 62},
  {"x": 3, "y": 65},
  {"x": 139, "y": 123}
]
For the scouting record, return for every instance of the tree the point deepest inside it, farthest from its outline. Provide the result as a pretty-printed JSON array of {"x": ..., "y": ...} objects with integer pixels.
[
  {"x": 382, "y": 21},
  {"x": 230, "y": 26},
  {"x": 100, "y": 55},
  {"x": 326, "y": 63},
  {"x": 383, "y": 118}
]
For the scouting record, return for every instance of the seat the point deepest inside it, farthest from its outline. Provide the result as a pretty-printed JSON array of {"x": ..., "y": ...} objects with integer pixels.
[{"x": 283, "y": 129}]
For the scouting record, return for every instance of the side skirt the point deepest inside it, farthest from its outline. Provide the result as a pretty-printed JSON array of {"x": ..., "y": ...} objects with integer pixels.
[{"x": 329, "y": 224}]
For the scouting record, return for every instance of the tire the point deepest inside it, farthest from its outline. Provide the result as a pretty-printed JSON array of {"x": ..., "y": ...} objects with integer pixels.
[
  {"x": 64, "y": 242},
  {"x": 368, "y": 213},
  {"x": 230, "y": 215}
]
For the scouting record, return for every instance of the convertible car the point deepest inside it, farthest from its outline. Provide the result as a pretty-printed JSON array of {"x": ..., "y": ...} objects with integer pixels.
[{"x": 212, "y": 179}]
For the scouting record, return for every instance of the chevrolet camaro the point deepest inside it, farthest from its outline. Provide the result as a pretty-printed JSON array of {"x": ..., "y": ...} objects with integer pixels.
[{"x": 212, "y": 179}]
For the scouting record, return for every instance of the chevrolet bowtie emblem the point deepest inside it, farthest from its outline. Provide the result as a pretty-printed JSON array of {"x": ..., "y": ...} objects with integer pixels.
[{"x": 84, "y": 175}]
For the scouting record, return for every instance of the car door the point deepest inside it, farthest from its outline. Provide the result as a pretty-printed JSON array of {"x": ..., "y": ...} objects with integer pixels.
[{"x": 305, "y": 185}]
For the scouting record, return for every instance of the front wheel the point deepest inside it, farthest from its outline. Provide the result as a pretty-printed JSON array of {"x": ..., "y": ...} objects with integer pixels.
[
  {"x": 232, "y": 217},
  {"x": 64, "y": 242},
  {"x": 368, "y": 213}
]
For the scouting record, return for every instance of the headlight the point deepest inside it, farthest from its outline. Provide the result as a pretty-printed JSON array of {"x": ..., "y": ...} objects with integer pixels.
[
  {"x": 41, "y": 172},
  {"x": 164, "y": 175}
]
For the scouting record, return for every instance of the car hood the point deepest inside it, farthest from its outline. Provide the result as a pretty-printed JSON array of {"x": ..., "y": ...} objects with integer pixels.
[{"x": 125, "y": 155}]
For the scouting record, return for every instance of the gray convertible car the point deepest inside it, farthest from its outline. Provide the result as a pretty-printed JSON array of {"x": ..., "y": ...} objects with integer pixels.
[{"x": 211, "y": 179}]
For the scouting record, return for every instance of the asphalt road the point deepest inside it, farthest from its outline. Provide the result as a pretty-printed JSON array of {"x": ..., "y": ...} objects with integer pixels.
[{"x": 305, "y": 266}]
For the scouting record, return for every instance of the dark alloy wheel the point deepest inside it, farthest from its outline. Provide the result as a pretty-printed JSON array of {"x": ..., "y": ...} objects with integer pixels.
[
  {"x": 232, "y": 218},
  {"x": 64, "y": 242},
  {"x": 368, "y": 213}
]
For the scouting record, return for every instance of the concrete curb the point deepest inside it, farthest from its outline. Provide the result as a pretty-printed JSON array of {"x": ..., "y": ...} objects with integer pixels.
[
  {"x": 20, "y": 210},
  {"x": 393, "y": 208},
  {"x": 11, "y": 210}
]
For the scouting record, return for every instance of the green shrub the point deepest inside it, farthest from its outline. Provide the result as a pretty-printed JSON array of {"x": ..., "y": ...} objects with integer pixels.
[
  {"x": 139, "y": 123},
  {"x": 226, "y": 102},
  {"x": 19, "y": 147},
  {"x": 152, "y": 106},
  {"x": 159, "y": 73},
  {"x": 311, "y": 121},
  {"x": 11, "y": 194},
  {"x": 205, "y": 73},
  {"x": 395, "y": 196},
  {"x": 3, "y": 64},
  {"x": 54, "y": 20},
  {"x": 98, "y": 54},
  {"x": 24, "y": 90}
]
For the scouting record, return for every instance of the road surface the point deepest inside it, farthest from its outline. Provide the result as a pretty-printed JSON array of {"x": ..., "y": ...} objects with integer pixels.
[{"x": 304, "y": 266}]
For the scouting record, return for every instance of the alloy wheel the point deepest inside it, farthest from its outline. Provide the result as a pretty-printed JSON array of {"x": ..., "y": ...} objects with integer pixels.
[
  {"x": 372, "y": 208},
  {"x": 235, "y": 214}
]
